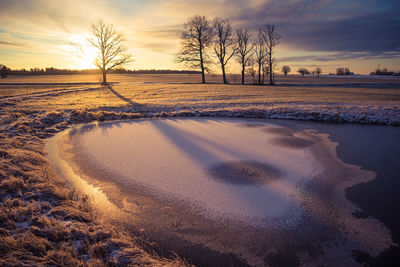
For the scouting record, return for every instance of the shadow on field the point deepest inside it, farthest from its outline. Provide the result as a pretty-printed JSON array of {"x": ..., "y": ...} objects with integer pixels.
[{"x": 123, "y": 98}]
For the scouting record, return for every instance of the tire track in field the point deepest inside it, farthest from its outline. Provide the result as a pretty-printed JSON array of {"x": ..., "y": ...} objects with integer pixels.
[{"x": 49, "y": 93}]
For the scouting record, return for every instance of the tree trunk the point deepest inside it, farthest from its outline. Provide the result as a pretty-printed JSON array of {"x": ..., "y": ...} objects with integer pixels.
[
  {"x": 271, "y": 81},
  {"x": 223, "y": 74},
  {"x": 259, "y": 73},
  {"x": 243, "y": 68},
  {"x": 203, "y": 78},
  {"x": 104, "y": 78}
]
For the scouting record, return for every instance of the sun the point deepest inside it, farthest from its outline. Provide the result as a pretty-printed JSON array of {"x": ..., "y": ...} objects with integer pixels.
[{"x": 84, "y": 51}]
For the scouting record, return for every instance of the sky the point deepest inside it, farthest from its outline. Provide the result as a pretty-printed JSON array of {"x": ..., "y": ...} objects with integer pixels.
[{"x": 359, "y": 34}]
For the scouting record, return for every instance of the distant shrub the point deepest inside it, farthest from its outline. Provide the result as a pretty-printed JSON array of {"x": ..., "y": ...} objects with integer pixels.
[
  {"x": 317, "y": 71},
  {"x": 343, "y": 71},
  {"x": 303, "y": 71},
  {"x": 4, "y": 71},
  {"x": 285, "y": 70}
]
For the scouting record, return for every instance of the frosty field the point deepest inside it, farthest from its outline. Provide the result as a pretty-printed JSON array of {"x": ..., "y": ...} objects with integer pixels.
[
  {"x": 47, "y": 219},
  {"x": 364, "y": 100}
]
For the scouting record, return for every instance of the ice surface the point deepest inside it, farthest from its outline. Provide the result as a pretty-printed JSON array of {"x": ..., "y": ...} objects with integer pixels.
[
  {"x": 267, "y": 186},
  {"x": 193, "y": 161}
]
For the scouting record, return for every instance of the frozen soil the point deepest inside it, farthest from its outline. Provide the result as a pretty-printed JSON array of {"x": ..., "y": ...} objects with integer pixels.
[{"x": 44, "y": 221}]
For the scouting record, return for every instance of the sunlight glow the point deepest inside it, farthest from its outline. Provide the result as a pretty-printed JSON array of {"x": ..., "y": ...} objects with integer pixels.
[{"x": 83, "y": 50}]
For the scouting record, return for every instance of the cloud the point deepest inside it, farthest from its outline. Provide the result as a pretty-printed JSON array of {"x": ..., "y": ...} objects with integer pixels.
[
  {"x": 164, "y": 47},
  {"x": 326, "y": 25},
  {"x": 12, "y": 44},
  {"x": 171, "y": 32},
  {"x": 342, "y": 56},
  {"x": 314, "y": 25},
  {"x": 373, "y": 33},
  {"x": 330, "y": 29},
  {"x": 180, "y": 10}
]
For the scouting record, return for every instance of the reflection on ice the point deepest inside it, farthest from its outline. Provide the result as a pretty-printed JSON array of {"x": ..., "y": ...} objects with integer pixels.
[{"x": 242, "y": 173}]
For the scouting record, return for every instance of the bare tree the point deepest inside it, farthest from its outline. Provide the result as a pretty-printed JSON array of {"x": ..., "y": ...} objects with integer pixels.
[
  {"x": 285, "y": 70},
  {"x": 340, "y": 71},
  {"x": 303, "y": 71},
  {"x": 250, "y": 69},
  {"x": 244, "y": 48},
  {"x": 108, "y": 42},
  {"x": 343, "y": 71},
  {"x": 196, "y": 37},
  {"x": 272, "y": 39},
  {"x": 318, "y": 71},
  {"x": 224, "y": 44},
  {"x": 265, "y": 71},
  {"x": 3, "y": 71},
  {"x": 260, "y": 51}
]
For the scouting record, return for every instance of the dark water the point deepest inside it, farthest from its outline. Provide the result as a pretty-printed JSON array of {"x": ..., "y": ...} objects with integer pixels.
[{"x": 375, "y": 148}]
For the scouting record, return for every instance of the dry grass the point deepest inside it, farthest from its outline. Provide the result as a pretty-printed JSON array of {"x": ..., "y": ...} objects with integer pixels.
[
  {"x": 188, "y": 78},
  {"x": 324, "y": 99},
  {"x": 177, "y": 91}
]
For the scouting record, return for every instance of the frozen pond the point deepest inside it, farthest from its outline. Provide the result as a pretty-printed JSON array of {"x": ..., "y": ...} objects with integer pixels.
[
  {"x": 224, "y": 168},
  {"x": 251, "y": 188}
]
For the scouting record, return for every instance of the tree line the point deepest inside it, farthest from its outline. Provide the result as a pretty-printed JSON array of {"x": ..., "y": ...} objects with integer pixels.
[
  {"x": 317, "y": 71},
  {"x": 5, "y": 71},
  {"x": 204, "y": 39},
  {"x": 385, "y": 72}
]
